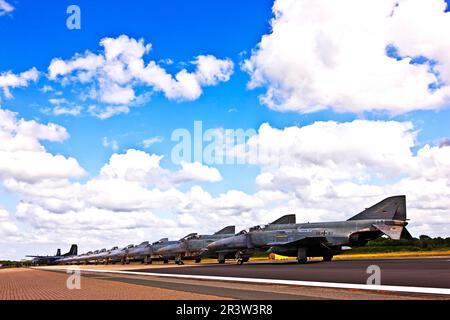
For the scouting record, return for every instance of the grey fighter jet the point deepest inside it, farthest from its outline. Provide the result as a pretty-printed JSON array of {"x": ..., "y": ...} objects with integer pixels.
[
  {"x": 141, "y": 252},
  {"x": 192, "y": 247},
  {"x": 146, "y": 252},
  {"x": 115, "y": 255},
  {"x": 323, "y": 239}
]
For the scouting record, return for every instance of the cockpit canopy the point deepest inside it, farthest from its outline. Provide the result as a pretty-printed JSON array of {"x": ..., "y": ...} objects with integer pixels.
[
  {"x": 189, "y": 236},
  {"x": 193, "y": 237}
]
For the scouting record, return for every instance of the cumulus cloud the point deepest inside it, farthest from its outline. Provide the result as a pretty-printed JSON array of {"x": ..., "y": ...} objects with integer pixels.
[
  {"x": 354, "y": 56},
  {"x": 5, "y": 8},
  {"x": 197, "y": 172},
  {"x": 22, "y": 157},
  {"x": 120, "y": 69},
  {"x": 330, "y": 170},
  {"x": 10, "y": 80},
  {"x": 8, "y": 229},
  {"x": 144, "y": 168}
]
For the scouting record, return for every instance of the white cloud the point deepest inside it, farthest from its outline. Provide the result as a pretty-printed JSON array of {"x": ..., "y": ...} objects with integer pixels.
[
  {"x": 151, "y": 141},
  {"x": 57, "y": 101},
  {"x": 23, "y": 158},
  {"x": 8, "y": 229},
  {"x": 70, "y": 111},
  {"x": 10, "y": 80},
  {"x": 197, "y": 172},
  {"x": 120, "y": 69},
  {"x": 331, "y": 172},
  {"x": 108, "y": 112},
  {"x": 324, "y": 53},
  {"x": 5, "y": 7},
  {"x": 134, "y": 165},
  {"x": 144, "y": 168}
]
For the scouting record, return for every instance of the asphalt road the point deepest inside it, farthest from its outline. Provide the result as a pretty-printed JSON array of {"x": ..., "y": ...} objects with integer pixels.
[{"x": 426, "y": 272}]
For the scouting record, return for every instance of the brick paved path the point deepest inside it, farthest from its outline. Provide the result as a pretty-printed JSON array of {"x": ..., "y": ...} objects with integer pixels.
[{"x": 31, "y": 284}]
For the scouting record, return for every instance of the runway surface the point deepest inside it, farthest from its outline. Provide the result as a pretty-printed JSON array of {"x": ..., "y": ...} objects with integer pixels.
[{"x": 417, "y": 272}]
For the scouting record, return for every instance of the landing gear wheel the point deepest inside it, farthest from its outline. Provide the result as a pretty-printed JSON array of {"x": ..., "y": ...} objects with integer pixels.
[
  {"x": 327, "y": 257},
  {"x": 221, "y": 261},
  {"x": 198, "y": 260},
  {"x": 147, "y": 260},
  {"x": 166, "y": 261},
  {"x": 302, "y": 256}
]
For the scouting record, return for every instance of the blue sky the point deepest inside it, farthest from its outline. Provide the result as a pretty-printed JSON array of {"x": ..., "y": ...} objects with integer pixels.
[
  {"x": 177, "y": 30},
  {"x": 35, "y": 33}
]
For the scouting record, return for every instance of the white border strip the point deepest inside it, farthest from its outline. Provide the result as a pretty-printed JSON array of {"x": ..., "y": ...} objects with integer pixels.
[{"x": 273, "y": 281}]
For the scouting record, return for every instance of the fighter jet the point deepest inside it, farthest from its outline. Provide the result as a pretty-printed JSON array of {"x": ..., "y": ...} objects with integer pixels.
[
  {"x": 46, "y": 260},
  {"x": 146, "y": 252},
  {"x": 192, "y": 247},
  {"x": 323, "y": 239},
  {"x": 140, "y": 252},
  {"x": 116, "y": 255}
]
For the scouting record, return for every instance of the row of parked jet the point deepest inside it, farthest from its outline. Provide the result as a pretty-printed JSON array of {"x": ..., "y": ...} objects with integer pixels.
[{"x": 283, "y": 236}]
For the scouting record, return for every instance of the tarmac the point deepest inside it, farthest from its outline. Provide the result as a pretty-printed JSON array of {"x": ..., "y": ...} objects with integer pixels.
[
  {"x": 231, "y": 281},
  {"x": 412, "y": 272}
]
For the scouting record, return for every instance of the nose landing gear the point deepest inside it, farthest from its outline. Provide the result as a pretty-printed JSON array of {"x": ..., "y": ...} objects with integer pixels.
[{"x": 302, "y": 258}]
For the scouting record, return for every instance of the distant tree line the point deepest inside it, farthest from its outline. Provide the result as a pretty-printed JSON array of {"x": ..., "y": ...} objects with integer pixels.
[
  {"x": 423, "y": 243},
  {"x": 13, "y": 264}
]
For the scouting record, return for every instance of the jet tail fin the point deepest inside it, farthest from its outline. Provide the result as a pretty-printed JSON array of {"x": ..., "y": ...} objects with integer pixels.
[
  {"x": 73, "y": 250},
  {"x": 287, "y": 219},
  {"x": 58, "y": 252},
  {"x": 227, "y": 230},
  {"x": 393, "y": 208}
]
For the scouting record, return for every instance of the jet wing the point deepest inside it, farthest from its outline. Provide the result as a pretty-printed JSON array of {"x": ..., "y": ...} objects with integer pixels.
[{"x": 304, "y": 241}]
